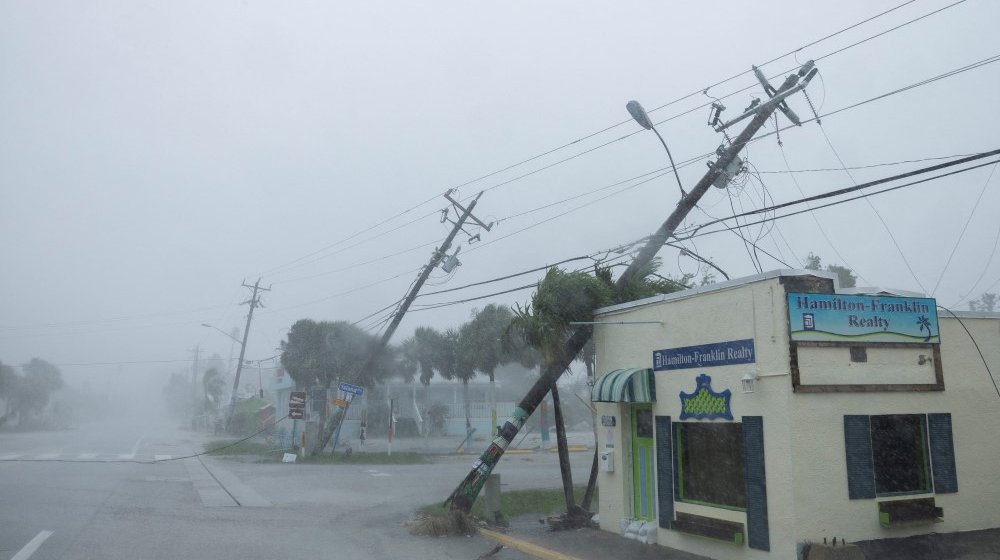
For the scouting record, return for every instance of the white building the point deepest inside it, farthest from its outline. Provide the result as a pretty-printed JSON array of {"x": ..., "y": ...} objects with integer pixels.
[{"x": 774, "y": 411}]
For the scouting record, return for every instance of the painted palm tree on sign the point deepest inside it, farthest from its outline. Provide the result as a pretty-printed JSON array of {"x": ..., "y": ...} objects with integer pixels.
[{"x": 925, "y": 324}]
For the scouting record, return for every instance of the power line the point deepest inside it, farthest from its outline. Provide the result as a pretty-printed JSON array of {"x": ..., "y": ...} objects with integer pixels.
[
  {"x": 856, "y": 167},
  {"x": 871, "y": 205},
  {"x": 834, "y": 193},
  {"x": 968, "y": 221},
  {"x": 620, "y": 123}
]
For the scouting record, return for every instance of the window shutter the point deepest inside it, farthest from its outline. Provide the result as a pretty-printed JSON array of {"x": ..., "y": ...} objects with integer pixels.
[
  {"x": 860, "y": 467},
  {"x": 753, "y": 463},
  {"x": 664, "y": 471},
  {"x": 942, "y": 453}
]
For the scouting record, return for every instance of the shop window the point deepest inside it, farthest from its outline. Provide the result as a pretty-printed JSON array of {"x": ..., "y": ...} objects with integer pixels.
[
  {"x": 709, "y": 464},
  {"x": 899, "y": 454}
]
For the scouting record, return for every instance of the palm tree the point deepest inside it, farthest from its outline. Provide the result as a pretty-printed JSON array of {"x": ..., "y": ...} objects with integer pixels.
[
  {"x": 214, "y": 385},
  {"x": 545, "y": 324}
]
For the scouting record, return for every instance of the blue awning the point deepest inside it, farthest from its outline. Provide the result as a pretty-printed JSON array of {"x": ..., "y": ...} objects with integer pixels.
[{"x": 625, "y": 385}]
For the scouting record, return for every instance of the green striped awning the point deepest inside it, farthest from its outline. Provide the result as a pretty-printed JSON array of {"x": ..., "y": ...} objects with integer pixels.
[{"x": 625, "y": 385}]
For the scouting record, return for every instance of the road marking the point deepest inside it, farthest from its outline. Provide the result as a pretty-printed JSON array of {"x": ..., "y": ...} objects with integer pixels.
[
  {"x": 135, "y": 448},
  {"x": 126, "y": 456},
  {"x": 373, "y": 472},
  {"x": 525, "y": 546},
  {"x": 161, "y": 457},
  {"x": 87, "y": 456},
  {"x": 9, "y": 456},
  {"x": 47, "y": 456},
  {"x": 32, "y": 546}
]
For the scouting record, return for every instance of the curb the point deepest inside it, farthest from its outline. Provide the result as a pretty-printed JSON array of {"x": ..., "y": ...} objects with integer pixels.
[{"x": 525, "y": 546}]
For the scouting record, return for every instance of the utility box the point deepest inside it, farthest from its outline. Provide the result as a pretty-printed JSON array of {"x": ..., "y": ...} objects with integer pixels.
[{"x": 607, "y": 461}]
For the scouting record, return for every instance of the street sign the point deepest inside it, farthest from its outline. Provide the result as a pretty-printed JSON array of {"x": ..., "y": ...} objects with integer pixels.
[
  {"x": 352, "y": 389},
  {"x": 297, "y": 404}
]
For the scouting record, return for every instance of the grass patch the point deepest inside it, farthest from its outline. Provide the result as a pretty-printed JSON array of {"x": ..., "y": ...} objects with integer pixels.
[
  {"x": 517, "y": 502},
  {"x": 362, "y": 458},
  {"x": 219, "y": 447}
]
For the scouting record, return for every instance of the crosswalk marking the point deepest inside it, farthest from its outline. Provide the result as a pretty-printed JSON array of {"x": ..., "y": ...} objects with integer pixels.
[
  {"x": 9, "y": 456},
  {"x": 47, "y": 456},
  {"x": 86, "y": 456},
  {"x": 32, "y": 546},
  {"x": 127, "y": 456}
]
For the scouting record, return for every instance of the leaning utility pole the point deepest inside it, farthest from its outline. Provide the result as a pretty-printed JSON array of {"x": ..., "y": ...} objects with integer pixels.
[
  {"x": 436, "y": 258},
  {"x": 254, "y": 303},
  {"x": 467, "y": 491}
]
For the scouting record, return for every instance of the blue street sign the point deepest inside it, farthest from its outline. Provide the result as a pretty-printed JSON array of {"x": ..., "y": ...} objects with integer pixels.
[{"x": 352, "y": 389}]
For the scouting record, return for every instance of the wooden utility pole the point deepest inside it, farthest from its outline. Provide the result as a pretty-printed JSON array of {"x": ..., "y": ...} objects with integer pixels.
[
  {"x": 439, "y": 254},
  {"x": 254, "y": 303},
  {"x": 467, "y": 491}
]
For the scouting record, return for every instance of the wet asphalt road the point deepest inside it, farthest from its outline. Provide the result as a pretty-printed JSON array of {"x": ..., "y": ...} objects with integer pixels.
[{"x": 75, "y": 495}]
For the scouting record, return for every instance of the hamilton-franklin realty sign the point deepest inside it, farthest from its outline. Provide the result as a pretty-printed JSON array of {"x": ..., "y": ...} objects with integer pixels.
[
  {"x": 862, "y": 318},
  {"x": 705, "y": 355}
]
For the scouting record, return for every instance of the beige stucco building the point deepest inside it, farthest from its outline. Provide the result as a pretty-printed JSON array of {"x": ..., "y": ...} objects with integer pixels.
[{"x": 748, "y": 418}]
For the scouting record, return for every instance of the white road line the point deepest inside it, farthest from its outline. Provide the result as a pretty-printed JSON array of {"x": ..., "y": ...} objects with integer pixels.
[
  {"x": 32, "y": 546},
  {"x": 135, "y": 448},
  {"x": 47, "y": 456},
  {"x": 87, "y": 456},
  {"x": 161, "y": 457},
  {"x": 127, "y": 456},
  {"x": 9, "y": 456}
]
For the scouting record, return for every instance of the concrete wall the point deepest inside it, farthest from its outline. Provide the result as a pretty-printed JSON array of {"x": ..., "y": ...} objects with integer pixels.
[{"x": 803, "y": 433}]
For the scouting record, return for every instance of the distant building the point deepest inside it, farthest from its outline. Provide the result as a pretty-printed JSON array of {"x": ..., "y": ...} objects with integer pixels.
[{"x": 750, "y": 418}]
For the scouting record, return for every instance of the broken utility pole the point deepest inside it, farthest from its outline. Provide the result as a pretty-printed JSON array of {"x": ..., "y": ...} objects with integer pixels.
[
  {"x": 439, "y": 254},
  {"x": 467, "y": 491}
]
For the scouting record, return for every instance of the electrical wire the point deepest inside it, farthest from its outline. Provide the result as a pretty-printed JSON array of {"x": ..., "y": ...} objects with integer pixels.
[
  {"x": 976, "y": 344},
  {"x": 871, "y": 205},
  {"x": 835, "y": 203},
  {"x": 846, "y": 190},
  {"x": 856, "y": 167},
  {"x": 961, "y": 235}
]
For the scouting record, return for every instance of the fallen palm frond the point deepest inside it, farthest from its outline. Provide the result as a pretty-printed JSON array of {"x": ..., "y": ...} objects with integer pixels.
[{"x": 445, "y": 523}]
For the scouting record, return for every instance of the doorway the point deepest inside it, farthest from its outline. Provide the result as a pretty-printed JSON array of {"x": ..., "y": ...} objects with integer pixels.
[{"x": 643, "y": 473}]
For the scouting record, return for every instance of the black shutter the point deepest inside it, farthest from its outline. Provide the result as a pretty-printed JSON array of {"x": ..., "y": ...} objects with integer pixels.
[
  {"x": 860, "y": 467},
  {"x": 664, "y": 471},
  {"x": 753, "y": 463},
  {"x": 942, "y": 453}
]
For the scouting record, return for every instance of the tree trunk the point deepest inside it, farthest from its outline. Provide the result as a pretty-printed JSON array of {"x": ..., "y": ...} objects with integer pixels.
[
  {"x": 564, "y": 466},
  {"x": 467, "y": 491},
  {"x": 588, "y": 496},
  {"x": 493, "y": 406},
  {"x": 465, "y": 399}
]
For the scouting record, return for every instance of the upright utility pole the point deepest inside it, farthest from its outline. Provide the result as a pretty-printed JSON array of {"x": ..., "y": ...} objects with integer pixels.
[
  {"x": 439, "y": 254},
  {"x": 254, "y": 303},
  {"x": 467, "y": 491},
  {"x": 194, "y": 386}
]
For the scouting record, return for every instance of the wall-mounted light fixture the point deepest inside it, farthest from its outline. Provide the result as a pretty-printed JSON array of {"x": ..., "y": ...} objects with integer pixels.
[{"x": 749, "y": 381}]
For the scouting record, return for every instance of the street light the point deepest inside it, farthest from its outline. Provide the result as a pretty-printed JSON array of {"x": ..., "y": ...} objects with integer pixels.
[
  {"x": 639, "y": 114},
  {"x": 236, "y": 340}
]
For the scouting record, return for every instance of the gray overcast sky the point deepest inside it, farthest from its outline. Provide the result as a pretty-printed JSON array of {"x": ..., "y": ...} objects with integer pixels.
[{"x": 155, "y": 154}]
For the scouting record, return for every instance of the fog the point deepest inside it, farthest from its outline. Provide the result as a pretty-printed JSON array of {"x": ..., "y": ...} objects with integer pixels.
[{"x": 153, "y": 157}]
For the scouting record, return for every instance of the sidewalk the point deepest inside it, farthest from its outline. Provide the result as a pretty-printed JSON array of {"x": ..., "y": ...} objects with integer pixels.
[{"x": 534, "y": 539}]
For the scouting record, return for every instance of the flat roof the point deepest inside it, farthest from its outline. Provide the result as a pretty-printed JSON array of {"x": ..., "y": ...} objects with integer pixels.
[
  {"x": 783, "y": 273},
  {"x": 720, "y": 286}
]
